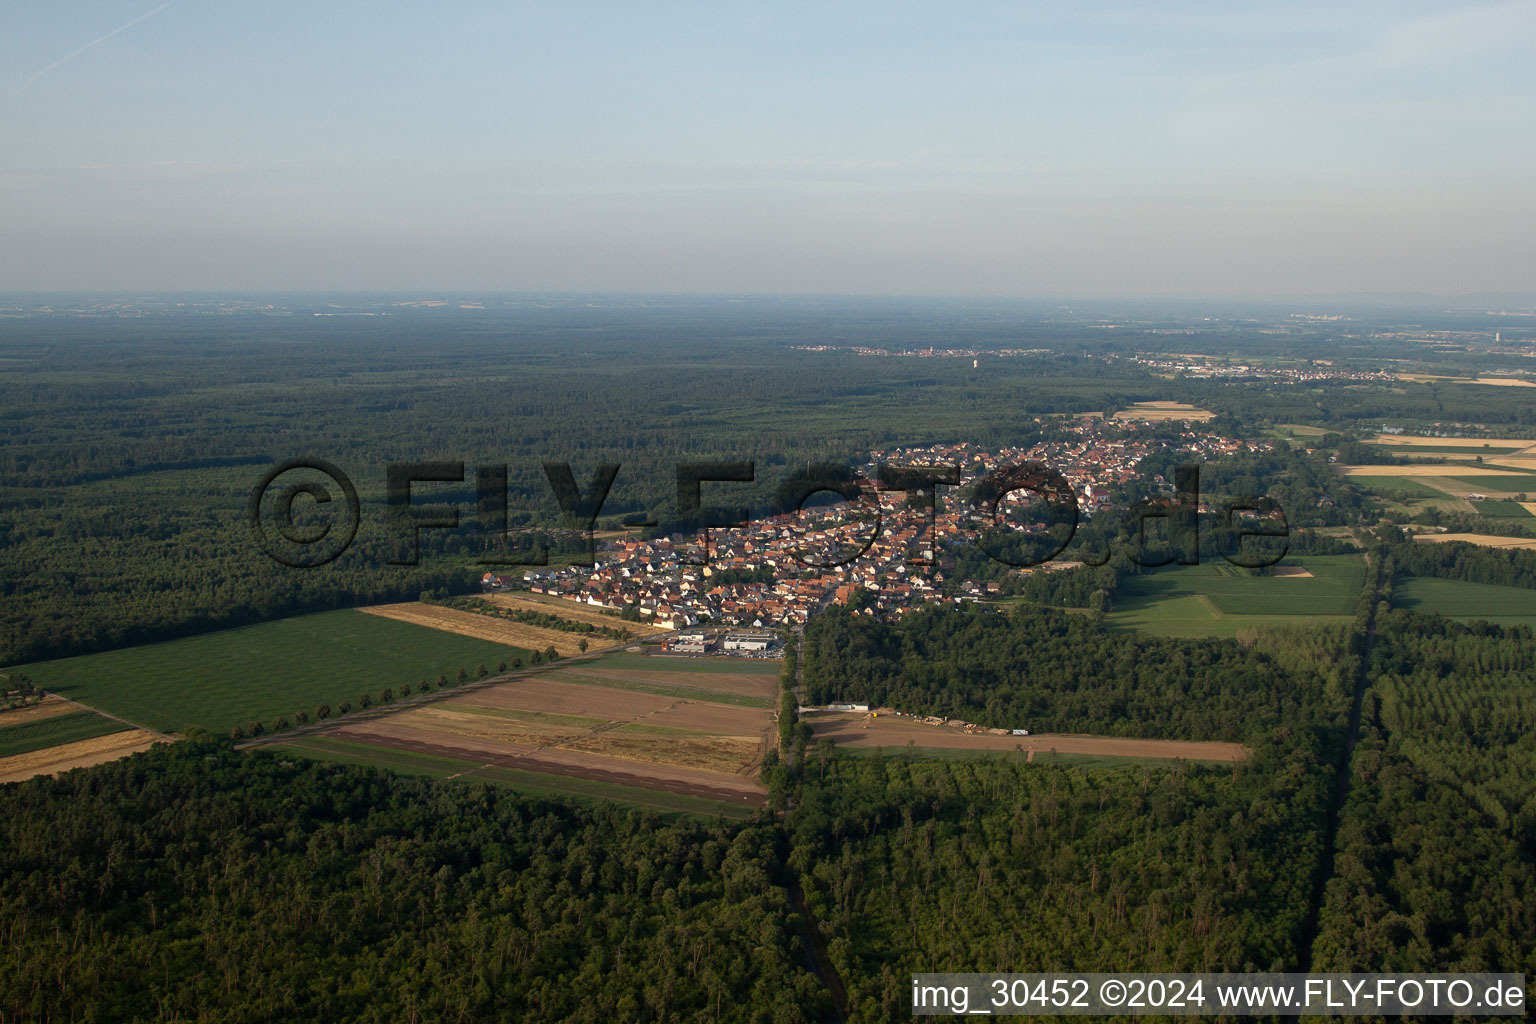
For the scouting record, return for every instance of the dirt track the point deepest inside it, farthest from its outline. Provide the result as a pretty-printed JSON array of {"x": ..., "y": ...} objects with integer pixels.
[
  {"x": 849, "y": 729},
  {"x": 572, "y": 764}
]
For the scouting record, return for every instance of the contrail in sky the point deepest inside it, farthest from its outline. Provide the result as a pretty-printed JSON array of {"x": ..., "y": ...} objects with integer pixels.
[{"x": 71, "y": 56}]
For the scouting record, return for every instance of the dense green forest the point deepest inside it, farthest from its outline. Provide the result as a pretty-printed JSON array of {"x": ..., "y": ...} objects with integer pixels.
[
  {"x": 942, "y": 866},
  {"x": 193, "y": 882},
  {"x": 1437, "y": 844}
]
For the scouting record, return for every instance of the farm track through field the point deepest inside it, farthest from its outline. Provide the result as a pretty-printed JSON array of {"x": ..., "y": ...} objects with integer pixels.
[{"x": 132, "y": 725}]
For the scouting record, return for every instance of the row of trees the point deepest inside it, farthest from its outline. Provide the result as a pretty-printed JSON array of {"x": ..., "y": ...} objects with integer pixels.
[{"x": 527, "y": 616}]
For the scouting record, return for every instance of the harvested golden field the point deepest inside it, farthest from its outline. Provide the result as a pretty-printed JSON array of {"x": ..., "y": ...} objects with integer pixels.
[
  {"x": 525, "y": 731},
  {"x": 1290, "y": 572},
  {"x": 572, "y": 611},
  {"x": 1505, "y": 382},
  {"x": 1406, "y": 440},
  {"x": 548, "y": 693},
  {"x": 729, "y": 754},
  {"x": 1428, "y": 469},
  {"x": 80, "y": 754},
  {"x": 49, "y": 707},
  {"x": 482, "y": 627},
  {"x": 1484, "y": 539},
  {"x": 1158, "y": 411}
]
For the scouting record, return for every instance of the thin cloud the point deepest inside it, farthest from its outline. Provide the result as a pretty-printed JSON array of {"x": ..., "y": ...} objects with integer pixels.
[
  {"x": 1458, "y": 33},
  {"x": 94, "y": 42}
]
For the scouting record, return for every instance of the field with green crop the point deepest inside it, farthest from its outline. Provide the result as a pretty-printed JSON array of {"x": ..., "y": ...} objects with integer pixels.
[
  {"x": 1450, "y": 449},
  {"x": 1395, "y": 486},
  {"x": 255, "y": 673},
  {"x": 50, "y": 732},
  {"x": 1502, "y": 509},
  {"x": 1507, "y": 606},
  {"x": 1504, "y": 483},
  {"x": 1215, "y": 599}
]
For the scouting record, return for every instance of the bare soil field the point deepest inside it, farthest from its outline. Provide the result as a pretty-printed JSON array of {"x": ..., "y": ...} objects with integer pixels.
[
  {"x": 1484, "y": 539},
  {"x": 720, "y": 719},
  {"x": 548, "y": 693},
  {"x": 571, "y": 610},
  {"x": 1158, "y": 411},
  {"x": 858, "y": 730},
  {"x": 81, "y": 754},
  {"x": 49, "y": 707},
  {"x": 482, "y": 627},
  {"x": 744, "y": 683}
]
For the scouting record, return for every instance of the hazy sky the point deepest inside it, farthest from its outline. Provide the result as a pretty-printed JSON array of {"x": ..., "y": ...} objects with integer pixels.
[{"x": 1070, "y": 148}]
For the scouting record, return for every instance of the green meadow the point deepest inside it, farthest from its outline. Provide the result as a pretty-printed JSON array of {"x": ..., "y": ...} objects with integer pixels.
[{"x": 1217, "y": 599}]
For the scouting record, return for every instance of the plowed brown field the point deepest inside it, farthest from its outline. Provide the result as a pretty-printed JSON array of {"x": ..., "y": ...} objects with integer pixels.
[
  {"x": 857, "y": 730},
  {"x": 744, "y": 683}
]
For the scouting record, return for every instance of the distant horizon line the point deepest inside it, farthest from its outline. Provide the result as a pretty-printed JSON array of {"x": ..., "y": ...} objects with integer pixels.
[{"x": 427, "y": 294}]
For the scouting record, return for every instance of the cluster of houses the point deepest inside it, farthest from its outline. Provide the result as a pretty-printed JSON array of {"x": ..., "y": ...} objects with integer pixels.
[
  {"x": 1205, "y": 369},
  {"x": 888, "y": 565}
]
